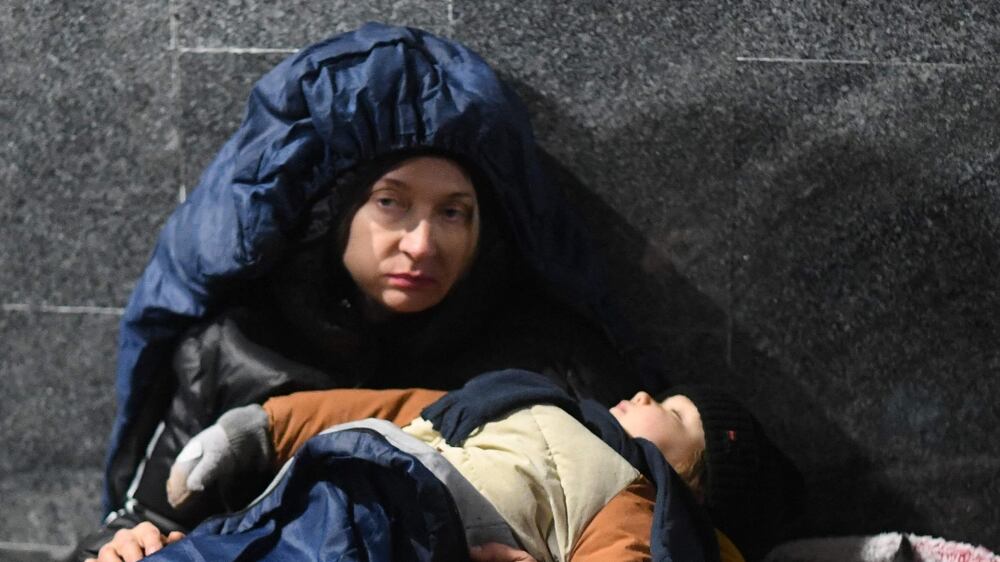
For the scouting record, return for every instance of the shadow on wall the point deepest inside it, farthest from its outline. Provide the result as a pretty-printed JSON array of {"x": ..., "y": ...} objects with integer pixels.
[
  {"x": 847, "y": 494},
  {"x": 686, "y": 330}
]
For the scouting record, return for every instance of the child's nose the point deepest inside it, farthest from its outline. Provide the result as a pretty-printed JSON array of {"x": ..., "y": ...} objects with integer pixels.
[{"x": 642, "y": 397}]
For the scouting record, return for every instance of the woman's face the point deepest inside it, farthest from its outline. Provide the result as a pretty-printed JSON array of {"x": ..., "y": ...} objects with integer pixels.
[{"x": 415, "y": 235}]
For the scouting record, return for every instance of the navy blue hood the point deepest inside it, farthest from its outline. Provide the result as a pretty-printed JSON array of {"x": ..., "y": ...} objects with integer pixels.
[{"x": 320, "y": 113}]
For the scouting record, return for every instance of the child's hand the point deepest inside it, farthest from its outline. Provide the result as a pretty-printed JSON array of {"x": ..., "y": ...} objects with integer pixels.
[
  {"x": 129, "y": 545},
  {"x": 498, "y": 552}
]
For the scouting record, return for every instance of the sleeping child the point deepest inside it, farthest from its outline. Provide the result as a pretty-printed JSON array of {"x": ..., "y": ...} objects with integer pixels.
[{"x": 535, "y": 473}]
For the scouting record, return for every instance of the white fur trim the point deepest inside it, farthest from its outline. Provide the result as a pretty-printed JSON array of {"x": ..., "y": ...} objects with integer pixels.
[{"x": 885, "y": 547}]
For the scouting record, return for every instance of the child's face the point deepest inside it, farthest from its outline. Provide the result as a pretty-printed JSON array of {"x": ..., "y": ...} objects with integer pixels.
[{"x": 673, "y": 425}]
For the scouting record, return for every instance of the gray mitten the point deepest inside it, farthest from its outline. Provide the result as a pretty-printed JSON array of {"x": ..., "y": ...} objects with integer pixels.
[{"x": 239, "y": 439}]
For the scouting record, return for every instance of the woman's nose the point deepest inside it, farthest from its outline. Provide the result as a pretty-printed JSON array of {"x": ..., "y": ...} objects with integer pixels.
[{"x": 418, "y": 242}]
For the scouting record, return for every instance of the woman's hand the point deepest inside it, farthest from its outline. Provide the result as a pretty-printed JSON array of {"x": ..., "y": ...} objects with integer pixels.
[
  {"x": 239, "y": 439},
  {"x": 498, "y": 552},
  {"x": 129, "y": 545}
]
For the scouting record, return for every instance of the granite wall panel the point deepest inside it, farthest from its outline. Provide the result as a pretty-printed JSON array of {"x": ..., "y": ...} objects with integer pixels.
[
  {"x": 87, "y": 173},
  {"x": 951, "y": 31},
  {"x": 57, "y": 407},
  {"x": 631, "y": 103},
  {"x": 292, "y": 24},
  {"x": 865, "y": 254},
  {"x": 214, "y": 88},
  {"x": 89, "y": 150}
]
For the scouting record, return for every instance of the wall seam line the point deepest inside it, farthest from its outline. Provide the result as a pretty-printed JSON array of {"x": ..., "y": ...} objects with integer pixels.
[
  {"x": 859, "y": 62},
  {"x": 234, "y": 50},
  {"x": 62, "y": 309}
]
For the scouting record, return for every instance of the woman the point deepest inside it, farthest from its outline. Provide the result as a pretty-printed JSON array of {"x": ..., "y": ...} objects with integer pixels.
[{"x": 312, "y": 256}]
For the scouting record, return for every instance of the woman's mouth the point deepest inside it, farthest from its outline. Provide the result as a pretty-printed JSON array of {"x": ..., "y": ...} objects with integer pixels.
[
  {"x": 411, "y": 280},
  {"x": 621, "y": 406}
]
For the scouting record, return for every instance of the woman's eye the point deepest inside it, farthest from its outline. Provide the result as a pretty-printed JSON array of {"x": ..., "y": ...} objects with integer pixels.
[
  {"x": 455, "y": 213},
  {"x": 389, "y": 203}
]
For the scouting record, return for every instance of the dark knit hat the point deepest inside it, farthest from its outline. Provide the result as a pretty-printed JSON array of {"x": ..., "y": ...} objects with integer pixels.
[{"x": 750, "y": 489}]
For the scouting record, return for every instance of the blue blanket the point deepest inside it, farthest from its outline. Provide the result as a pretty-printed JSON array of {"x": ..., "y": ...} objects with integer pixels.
[{"x": 348, "y": 495}]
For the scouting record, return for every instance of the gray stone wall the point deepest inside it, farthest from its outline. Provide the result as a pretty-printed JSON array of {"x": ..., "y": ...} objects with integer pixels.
[{"x": 801, "y": 202}]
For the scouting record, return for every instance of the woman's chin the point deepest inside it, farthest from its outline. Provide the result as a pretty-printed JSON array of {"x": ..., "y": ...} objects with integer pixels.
[{"x": 408, "y": 302}]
